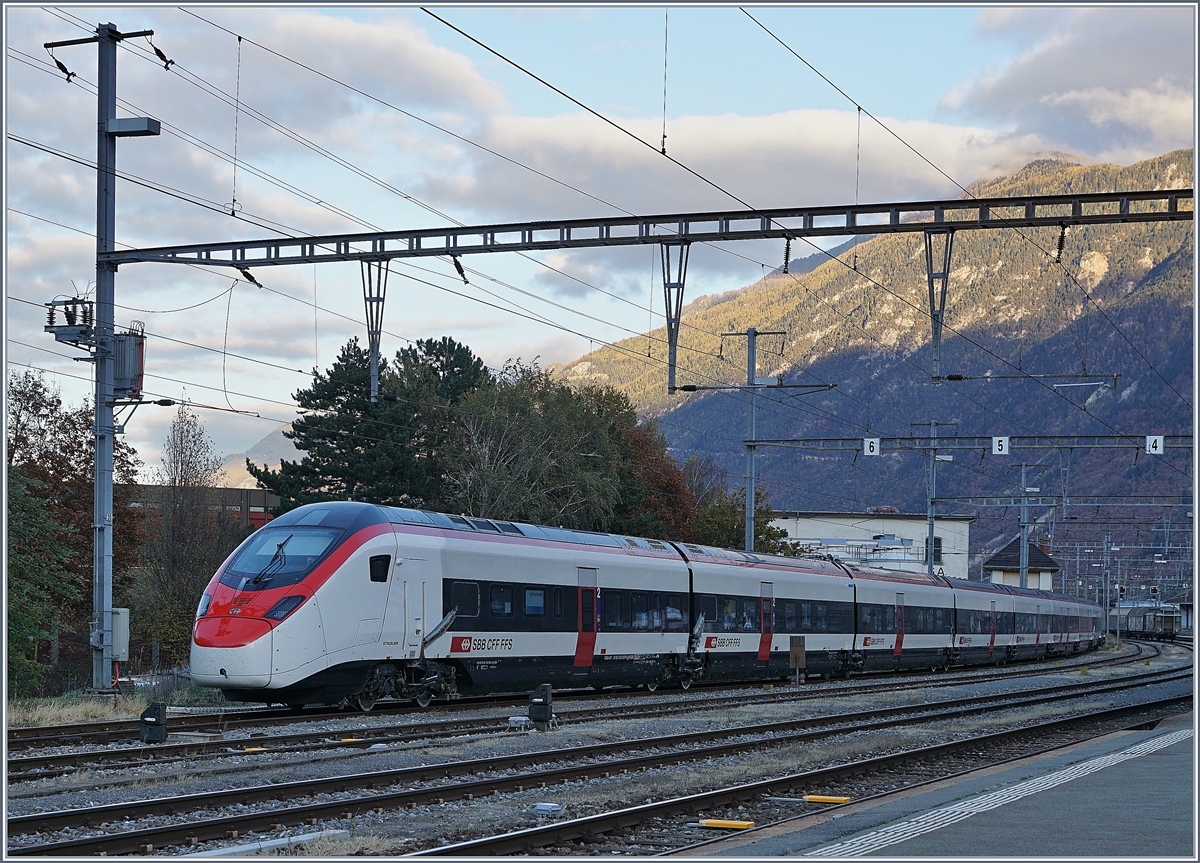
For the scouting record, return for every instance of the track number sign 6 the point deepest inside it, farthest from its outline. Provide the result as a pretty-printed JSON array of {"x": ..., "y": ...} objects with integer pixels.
[{"x": 870, "y": 446}]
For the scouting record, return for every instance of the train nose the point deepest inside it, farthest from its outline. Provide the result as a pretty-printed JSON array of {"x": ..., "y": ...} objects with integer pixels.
[{"x": 231, "y": 652}]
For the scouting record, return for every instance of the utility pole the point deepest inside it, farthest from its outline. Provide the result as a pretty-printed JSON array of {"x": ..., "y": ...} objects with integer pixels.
[
  {"x": 931, "y": 477},
  {"x": 1107, "y": 584},
  {"x": 104, "y": 430},
  {"x": 752, "y": 391},
  {"x": 753, "y": 383},
  {"x": 1024, "y": 532}
]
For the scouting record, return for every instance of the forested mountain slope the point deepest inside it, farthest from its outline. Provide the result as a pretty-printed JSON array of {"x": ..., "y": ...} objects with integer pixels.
[{"x": 1121, "y": 303}]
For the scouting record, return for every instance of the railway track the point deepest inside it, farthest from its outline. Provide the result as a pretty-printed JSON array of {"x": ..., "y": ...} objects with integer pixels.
[
  {"x": 111, "y": 732},
  {"x": 655, "y": 829},
  {"x": 43, "y": 766},
  {"x": 116, "y": 829}
]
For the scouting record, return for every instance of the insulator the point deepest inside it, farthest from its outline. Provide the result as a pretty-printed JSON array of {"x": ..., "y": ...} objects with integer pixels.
[
  {"x": 787, "y": 253},
  {"x": 50, "y": 316},
  {"x": 1062, "y": 238},
  {"x": 88, "y": 311}
]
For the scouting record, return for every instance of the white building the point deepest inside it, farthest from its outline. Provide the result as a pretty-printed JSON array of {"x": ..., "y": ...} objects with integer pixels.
[{"x": 887, "y": 539}]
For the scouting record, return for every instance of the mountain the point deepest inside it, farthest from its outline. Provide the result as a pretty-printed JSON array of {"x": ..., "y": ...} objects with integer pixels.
[
  {"x": 1123, "y": 305},
  {"x": 269, "y": 451}
]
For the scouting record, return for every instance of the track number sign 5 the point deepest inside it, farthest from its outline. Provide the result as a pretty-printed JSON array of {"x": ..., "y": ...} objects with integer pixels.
[
  {"x": 1000, "y": 446},
  {"x": 870, "y": 446}
]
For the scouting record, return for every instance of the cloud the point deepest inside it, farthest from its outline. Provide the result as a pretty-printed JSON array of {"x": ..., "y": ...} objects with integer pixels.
[{"x": 1114, "y": 83}]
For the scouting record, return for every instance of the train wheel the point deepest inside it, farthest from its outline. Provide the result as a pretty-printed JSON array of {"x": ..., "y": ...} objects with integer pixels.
[
  {"x": 424, "y": 698},
  {"x": 362, "y": 702},
  {"x": 652, "y": 686},
  {"x": 686, "y": 683}
]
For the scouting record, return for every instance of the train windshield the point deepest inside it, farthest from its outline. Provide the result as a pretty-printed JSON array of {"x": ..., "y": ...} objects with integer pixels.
[{"x": 279, "y": 556}]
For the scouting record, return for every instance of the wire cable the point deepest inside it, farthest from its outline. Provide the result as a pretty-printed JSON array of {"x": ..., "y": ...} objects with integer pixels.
[{"x": 969, "y": 193}]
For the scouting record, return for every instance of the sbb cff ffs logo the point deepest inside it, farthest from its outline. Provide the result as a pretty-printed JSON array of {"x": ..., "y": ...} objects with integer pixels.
[{"x": 460, "y": 644}]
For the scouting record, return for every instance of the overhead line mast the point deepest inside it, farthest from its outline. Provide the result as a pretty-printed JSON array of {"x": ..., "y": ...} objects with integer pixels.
[
  {"x": 101, "y": 340},
  {"x": 937, "y": 220}
]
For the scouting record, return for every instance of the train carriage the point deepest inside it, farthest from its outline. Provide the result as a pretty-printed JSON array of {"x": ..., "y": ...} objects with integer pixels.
[
  {"x": 984, "y": 624},
  {"x": 750, "y": 605},
  {"x": 903, "y": 620}
]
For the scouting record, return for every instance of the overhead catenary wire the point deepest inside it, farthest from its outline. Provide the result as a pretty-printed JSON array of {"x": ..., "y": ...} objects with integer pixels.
[
  {"x": 313, "y": 199},
  {"x": 744, "y": 203},
  {"x": 969, "y": 193}
]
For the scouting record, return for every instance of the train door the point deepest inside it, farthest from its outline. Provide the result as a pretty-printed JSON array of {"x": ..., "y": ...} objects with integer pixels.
[
  {"x": 1037, "y": 626},
  {"x": 585, "y": 639},
  {"x": 899, "y": 624},
  {"x": 414, "y": 607},
  {"x": 992, "y": 640},
  {"x": 370, "y": 587},
  {"x": 403, "y": 617},
  {"x": 767, "y": 609}
]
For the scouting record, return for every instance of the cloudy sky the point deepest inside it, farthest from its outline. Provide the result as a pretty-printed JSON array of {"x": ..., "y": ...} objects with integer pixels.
[{"x": 398, "y": 122}]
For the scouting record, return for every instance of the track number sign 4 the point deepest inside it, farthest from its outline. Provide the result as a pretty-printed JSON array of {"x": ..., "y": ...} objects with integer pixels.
[{"x": 1154, "y": 444}]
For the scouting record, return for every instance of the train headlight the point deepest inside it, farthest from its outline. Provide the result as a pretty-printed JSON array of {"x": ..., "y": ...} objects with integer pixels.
[
  {"x": 284, "y": 607},
  {"x": 205, "y": 602}
]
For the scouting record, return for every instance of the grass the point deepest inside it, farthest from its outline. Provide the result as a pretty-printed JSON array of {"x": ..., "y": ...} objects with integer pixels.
[{"x": 77, "y": 707}]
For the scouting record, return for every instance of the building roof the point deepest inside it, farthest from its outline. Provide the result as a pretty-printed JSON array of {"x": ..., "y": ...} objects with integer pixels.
[
  {"x": 1009, "y": 558},
  {"x": 900, "y": 516}
]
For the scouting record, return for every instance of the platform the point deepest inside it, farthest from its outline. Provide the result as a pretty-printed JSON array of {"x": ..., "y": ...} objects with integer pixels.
[{"x": 1124, "y": 795}]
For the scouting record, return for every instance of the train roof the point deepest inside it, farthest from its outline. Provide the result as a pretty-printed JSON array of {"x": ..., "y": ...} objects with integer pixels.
[{"x": 354, "y": 515}]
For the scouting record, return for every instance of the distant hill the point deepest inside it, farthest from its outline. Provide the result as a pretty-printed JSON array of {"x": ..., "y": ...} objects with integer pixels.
[
  {"x": 1006, "y": 296},
  {"x": 269, "y": 451}
]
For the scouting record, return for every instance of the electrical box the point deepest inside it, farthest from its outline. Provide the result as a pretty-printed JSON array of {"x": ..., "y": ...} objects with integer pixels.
[
  {"x": 120, "y": 624},
  {"x": 541, "y": 709},
  {"x": 129, "y": 364},
  {"x": 796, "y": 653}
]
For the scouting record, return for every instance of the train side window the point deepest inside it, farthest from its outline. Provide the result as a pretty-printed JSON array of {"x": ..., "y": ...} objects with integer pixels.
[
  {"x": 502, "y": 600},
  {"x": 708, "y": 607},
  {"x": 610, "y": 607},
  {"x": 656, "y": 612},
  {"x": 535, "y": 602},
  {"x": 558, "y": 602},
  {"x": 820, "y": 624},
  {"x": 676, "y": 617},
  {"x": 464, "y": 596},
  {"x": 789, "y": 616},
  {"x": 641, "y": 611},
  {"x": 806, "y": 621},
  {"x": 380, "y": 564},
  {"x": 727, "y": 613},
  {"x": 750, "y": 615}
]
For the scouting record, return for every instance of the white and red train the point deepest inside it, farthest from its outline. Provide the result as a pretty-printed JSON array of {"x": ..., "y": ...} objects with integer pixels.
[{"x": 352, "y": 601}]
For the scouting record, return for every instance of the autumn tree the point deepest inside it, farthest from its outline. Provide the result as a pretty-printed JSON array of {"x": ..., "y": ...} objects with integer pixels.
[
  {"x": 37, "y": 590},
  {"x": 188, "y": 536},
  {"x": 530, "y": 448},
  {"x": 53, "y": 446},
  {"x": 720, "y": 518}
]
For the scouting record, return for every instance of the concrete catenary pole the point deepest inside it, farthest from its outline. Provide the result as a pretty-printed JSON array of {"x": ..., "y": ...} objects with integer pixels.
[{"x": 752, "y": 391}]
